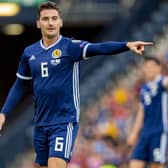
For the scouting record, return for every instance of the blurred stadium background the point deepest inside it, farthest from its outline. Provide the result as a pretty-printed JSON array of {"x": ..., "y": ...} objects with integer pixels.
[{"x": 107, "y": 107}]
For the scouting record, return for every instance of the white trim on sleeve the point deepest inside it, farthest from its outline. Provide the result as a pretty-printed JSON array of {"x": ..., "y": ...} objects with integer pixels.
[
  {"x": 84, "y": 52},
  {"x": 23, "y": 77}
]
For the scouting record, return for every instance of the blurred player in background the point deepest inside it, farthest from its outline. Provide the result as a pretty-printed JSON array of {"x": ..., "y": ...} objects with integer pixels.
[
  {"x": 149, "y": 134},
  {"x": 53, "y": 66}
]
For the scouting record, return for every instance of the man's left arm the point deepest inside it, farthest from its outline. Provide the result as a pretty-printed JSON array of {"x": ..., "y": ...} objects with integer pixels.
[{"x": 108, "y": 48}]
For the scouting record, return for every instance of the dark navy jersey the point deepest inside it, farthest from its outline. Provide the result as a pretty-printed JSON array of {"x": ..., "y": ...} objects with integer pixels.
[
  {"x": 55, "y": 76},
  {"x": 154, "y": 99}
]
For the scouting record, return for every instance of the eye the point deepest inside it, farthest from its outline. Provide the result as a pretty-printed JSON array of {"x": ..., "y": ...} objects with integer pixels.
[
  {"x": 55, "y": 17},
  {"x": 45, "y": 18}
]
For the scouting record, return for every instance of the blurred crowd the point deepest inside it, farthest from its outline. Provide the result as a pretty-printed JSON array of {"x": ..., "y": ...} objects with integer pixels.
[{"x": 69, "y": 4}]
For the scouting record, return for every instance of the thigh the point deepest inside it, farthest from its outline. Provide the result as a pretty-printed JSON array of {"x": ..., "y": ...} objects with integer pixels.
[
  {"x": 61, "y": 141},
  {"x": 41, "y": 147},
  {"x": 140, "y": 151},
  {"x": 38, "y": 166},
  {"x": 54, "y": 162},
  {"x": 137, "y": 164}
]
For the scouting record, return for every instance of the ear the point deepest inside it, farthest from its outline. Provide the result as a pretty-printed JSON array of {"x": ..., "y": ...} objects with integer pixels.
[
  {"x": 61, "y": 23},
  {"x": 38, "y": 24}
]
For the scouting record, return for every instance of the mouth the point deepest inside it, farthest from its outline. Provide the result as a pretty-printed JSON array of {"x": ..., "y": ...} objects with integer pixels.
[{"x": 50, "y": 29}]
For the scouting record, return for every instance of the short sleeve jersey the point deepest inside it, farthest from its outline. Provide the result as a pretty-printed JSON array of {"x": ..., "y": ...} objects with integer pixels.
[
  {"x": 55, "y": 78},
  {"x": 154, "y": 99}
]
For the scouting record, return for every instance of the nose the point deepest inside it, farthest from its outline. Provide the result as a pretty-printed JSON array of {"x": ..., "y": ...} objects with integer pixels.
[{"x": 50, "y": 22}]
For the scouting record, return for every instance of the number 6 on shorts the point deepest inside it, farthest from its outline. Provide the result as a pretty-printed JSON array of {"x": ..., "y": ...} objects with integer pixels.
[{"x": 59, "y": 144}]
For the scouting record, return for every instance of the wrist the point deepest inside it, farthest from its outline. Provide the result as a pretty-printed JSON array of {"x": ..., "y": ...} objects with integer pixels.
[{"x": 128, "y": 45}]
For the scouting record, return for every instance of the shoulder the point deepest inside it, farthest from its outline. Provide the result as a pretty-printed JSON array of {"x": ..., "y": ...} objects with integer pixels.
[
  {"x": 159, "y": 82},
  {"x": 163, "y": 79},
  {"x": 73, "y": 44},
  {"x": 66, "y": 39},
  {"x": 68, "y": 42},
  {"x": 73, "y": 40},
  {"x": 81, "y": 43},
  {"x": 31, "y": 48}
]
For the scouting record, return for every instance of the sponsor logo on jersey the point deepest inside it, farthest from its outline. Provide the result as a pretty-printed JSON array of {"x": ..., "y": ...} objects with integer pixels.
[
  {"x": 55, "y": 61},
  {"x": 56, "y": 53}
]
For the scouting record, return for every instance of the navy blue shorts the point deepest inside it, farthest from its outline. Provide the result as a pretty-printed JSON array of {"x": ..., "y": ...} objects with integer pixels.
[
  {"x": 151, "y": 148},
  {"x": 54, "y": 141}
]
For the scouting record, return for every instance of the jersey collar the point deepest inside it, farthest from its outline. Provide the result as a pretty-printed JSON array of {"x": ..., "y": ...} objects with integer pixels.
[{"x": 46, "y": 48}]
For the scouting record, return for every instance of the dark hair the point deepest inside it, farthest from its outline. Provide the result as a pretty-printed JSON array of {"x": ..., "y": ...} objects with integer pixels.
[
  {"x": 48, "y": 5},
  {"x": 154, "y": 59}
]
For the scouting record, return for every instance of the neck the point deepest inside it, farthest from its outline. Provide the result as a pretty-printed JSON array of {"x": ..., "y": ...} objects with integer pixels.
[
  {"x": 49, "y": 41},
  {"x": 154, "y": 78}
]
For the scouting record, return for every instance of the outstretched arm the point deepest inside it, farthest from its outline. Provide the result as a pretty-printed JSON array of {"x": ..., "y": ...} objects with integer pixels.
[
  {"x": 108, "y": 48},
  {"x": 16, "y": 93}
]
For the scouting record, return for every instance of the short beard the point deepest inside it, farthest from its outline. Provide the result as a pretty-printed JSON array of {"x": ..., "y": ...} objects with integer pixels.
[{"x": 50, "y": 36}]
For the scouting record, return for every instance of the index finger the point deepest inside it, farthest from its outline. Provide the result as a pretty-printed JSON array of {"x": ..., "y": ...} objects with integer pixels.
[{"x": 147, "y": 43}]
